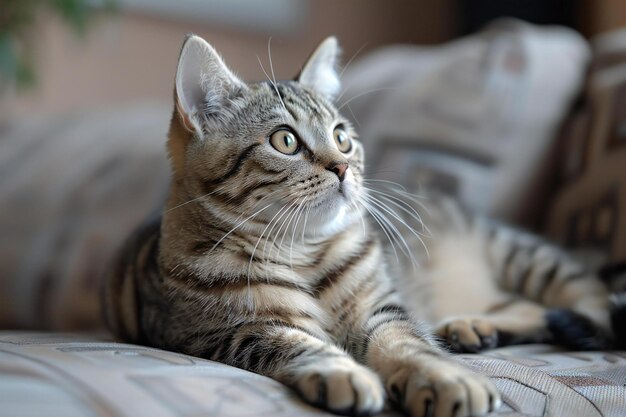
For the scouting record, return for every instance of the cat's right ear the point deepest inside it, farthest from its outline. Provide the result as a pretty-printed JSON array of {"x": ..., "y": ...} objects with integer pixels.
[
  {"x": 320, "y": 71},
  {"x": 203, "y": 83}
]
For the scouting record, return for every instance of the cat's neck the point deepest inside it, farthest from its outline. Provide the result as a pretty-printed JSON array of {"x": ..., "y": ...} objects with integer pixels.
[{"x": 194, "y": 236}]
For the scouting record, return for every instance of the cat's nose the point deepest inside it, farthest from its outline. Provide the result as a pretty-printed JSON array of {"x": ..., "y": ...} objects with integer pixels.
[{"x": 339, "y": 169}]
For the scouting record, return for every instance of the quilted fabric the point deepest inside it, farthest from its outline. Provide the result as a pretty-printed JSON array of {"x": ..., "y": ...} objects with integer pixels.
[{"x": 85, "y": 375}]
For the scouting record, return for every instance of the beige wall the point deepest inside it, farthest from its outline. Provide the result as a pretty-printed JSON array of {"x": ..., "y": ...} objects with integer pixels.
[{"x": 132, "y": 57}]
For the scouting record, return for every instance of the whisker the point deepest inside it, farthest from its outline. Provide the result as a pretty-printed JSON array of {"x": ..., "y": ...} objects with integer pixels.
[
  {"x": 352, "y": 59},
  {"x": 354, "y": 116},
  {"x": 425, "y": 231},
  {"x": 386, "y": 229},
  {"x": 356, "y": 207},
  {"x": 293, "y": 211},
  {"x": 343, "y": 70},
  {"x": 193, "y": 200},
  {"x": 295, "y": 228},
  {"x": 363, "y": 94},
  {"x": 237, "y": 226},
  {"x": 402, "y": 191},
  {"x": 243, "y": 213},
  {"x": 282, "y": 217},
  {"x": 273, "y": 79},
  {"x": 260, "y": 238},
  {"x": 392, "y": 213},
  {"x": 398, "y": 237},
  {"x": 286, "y": 222},
  {"x": 306, "y": 218},
  {"x": 269, "y": 54},
  {"x": 378, "y": 207},
  {"x": 368, "y": 208},
  {"x": 401, "y": 205},
  {"x": 271, "y": 82},
  {"x": 393, "y": 183}
]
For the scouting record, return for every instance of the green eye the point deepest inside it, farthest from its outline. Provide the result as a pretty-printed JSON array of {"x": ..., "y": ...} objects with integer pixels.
[
  {"x": 285, "y": 142},
  {"x": 342, "y": 140}
]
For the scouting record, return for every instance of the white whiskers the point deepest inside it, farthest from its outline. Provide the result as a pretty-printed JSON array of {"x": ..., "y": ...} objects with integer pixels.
[
  {"x": 273, "y": 79},
  {"x": 373, "y": 90},
  {"x": 394, "y": 209},
  {"x": 237, "y": 226}
]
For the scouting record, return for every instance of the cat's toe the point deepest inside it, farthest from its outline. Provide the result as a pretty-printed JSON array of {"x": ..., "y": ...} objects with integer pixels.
[
  {"x": 447, "y": 389},
  {"x": 487, "y": 333},
  {"x": 469, "y": 334},
  {"x": 343, "y": 388}
]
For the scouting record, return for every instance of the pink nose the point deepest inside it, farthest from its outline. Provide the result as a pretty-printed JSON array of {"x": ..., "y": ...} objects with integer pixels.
[{"x": 339, "y": 169}]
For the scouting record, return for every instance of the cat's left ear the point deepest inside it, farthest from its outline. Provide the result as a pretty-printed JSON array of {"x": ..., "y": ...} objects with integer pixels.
[
  {"x": 203, "y": 82},
  {"x": 320, "y": 71}
]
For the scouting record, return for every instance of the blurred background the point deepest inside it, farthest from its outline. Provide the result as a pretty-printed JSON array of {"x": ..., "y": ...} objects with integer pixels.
[
  {"x": 520, "y": 119},
  {"x": 126, "y": 50}
]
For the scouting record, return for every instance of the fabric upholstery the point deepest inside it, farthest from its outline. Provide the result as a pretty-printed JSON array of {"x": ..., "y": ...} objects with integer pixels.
[
  {"x": 85, "y": 375},
  {"x": 588, "y": 211}
]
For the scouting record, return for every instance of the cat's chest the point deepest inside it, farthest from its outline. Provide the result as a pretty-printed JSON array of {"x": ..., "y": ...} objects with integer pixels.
[
  {"x": 311, "y": 261},
  {"x": 340, "y": 263}
]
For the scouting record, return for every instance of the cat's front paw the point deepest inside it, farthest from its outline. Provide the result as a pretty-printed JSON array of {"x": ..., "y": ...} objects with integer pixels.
[
  {"x": 341, "y": 386},
  {"x": 469, "y": 334},
  {"x": 442, "y": 388}
]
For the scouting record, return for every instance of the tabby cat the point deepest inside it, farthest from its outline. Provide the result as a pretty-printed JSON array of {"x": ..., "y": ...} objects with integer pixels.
[{"x": 265, "y": 257}]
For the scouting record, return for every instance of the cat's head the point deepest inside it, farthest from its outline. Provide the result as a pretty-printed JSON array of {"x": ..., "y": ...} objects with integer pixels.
[{"x": 242, "y": 147}]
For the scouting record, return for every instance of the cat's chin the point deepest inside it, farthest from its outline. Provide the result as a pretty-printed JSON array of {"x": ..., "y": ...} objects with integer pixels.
[
  {"x": 331, "y": 217},
  {"x": 334, "y": 211}
]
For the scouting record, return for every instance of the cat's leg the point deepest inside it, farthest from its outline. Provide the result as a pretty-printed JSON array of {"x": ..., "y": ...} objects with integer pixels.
[
  {"x": 417, "y": 374},
  {"x": 548, "y": 297},
  {"x": 322, "y": 373},
  {"x": 577, "y": 304},
  {"x": 515, "y": 321}
]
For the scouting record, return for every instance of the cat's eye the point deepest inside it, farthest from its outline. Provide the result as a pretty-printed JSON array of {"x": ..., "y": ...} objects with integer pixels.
[
  {"x": 285, "y": 142},
  {"x": 342, "y": 140}
]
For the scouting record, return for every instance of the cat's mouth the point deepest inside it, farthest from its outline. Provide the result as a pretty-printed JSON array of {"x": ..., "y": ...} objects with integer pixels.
[
  {"x": 334, "y": 199},
  {"x": 337, "y": 194},
  {"x": 346, "y": 190}
]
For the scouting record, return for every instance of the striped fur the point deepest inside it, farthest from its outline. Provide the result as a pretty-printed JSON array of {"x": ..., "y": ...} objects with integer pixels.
[
  {"x": 493, "y": 285},
  {"x": 268, "y": 261}
]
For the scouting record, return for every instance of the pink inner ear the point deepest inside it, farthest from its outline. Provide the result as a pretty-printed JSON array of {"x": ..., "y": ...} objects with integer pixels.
[{"x": 184, "y": 118}]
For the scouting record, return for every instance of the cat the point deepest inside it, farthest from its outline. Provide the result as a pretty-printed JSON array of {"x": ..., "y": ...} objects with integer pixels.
[{"x": 265, "y": 258}]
